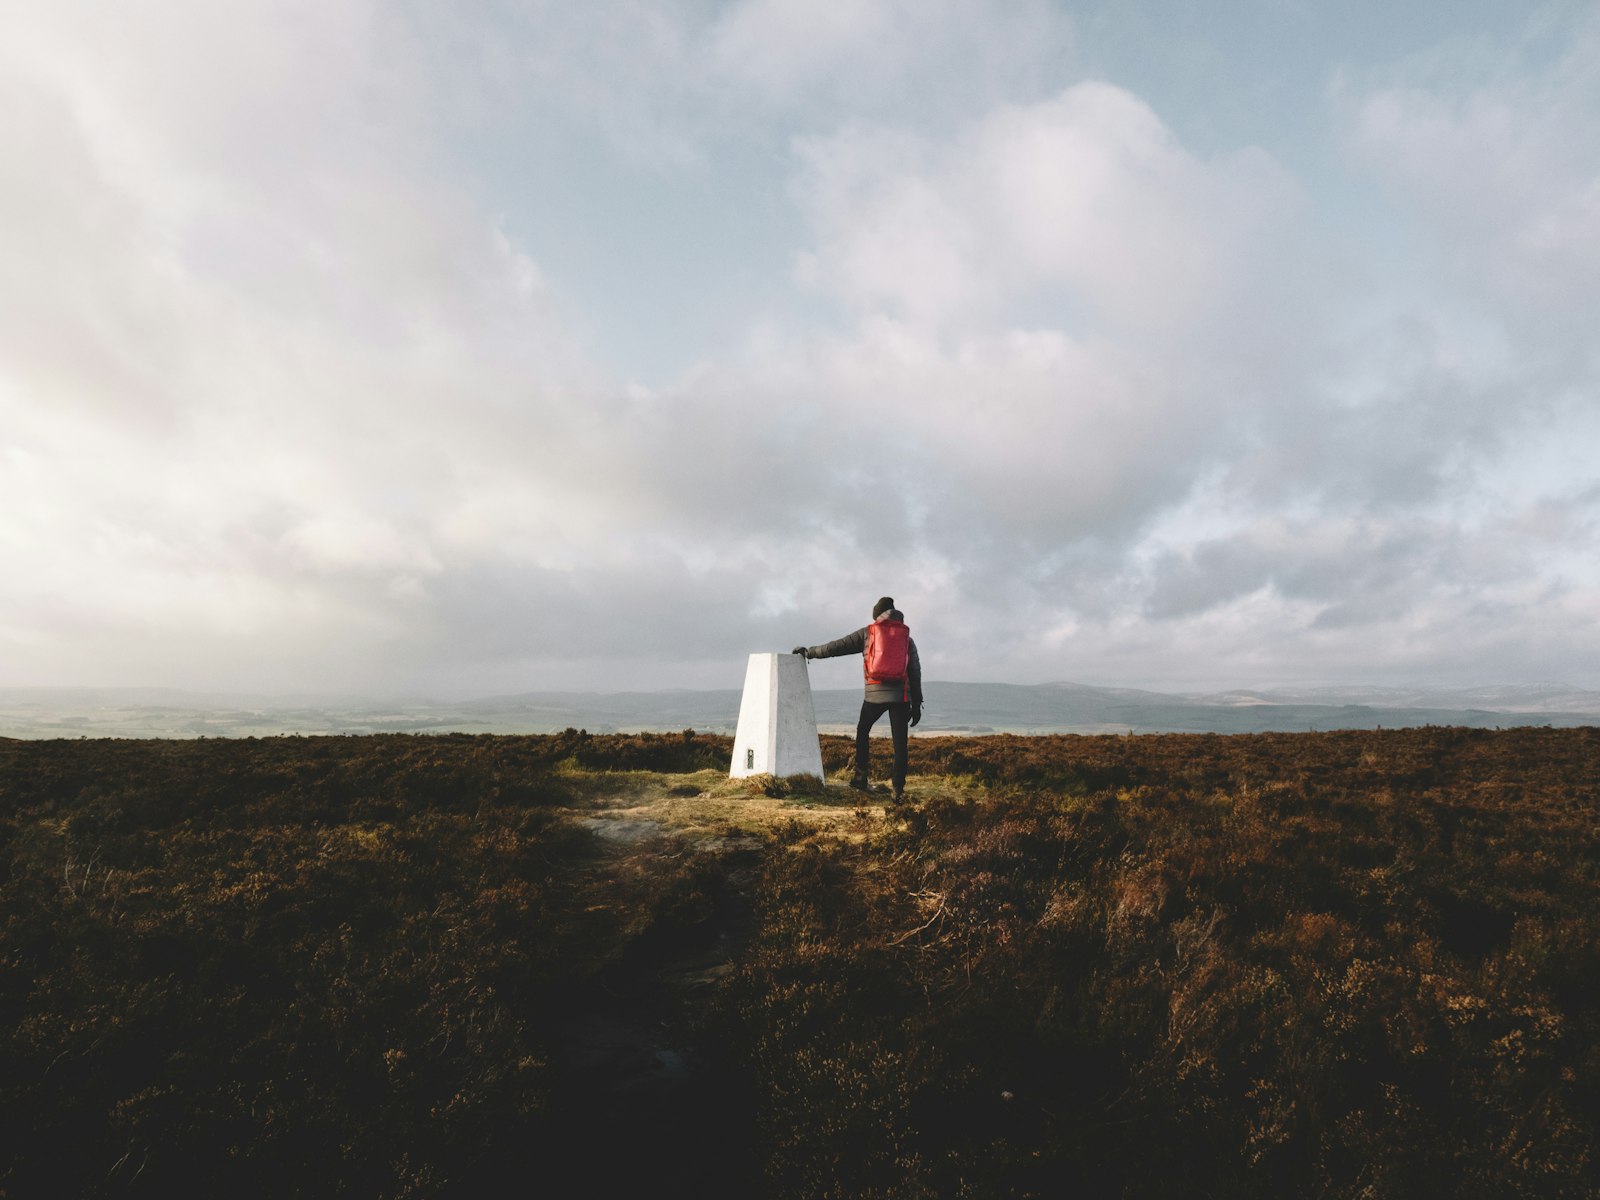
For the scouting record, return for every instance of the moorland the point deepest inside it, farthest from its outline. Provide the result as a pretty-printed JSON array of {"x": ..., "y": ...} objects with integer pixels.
[{"x": 1334, "y": 964}]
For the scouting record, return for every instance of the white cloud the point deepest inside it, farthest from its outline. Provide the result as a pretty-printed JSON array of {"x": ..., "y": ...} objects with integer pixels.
[
  {"x": 1086, "y": 199},
  {"x": 1063, "y": 317},
  {"x": 251, "y": 343}
]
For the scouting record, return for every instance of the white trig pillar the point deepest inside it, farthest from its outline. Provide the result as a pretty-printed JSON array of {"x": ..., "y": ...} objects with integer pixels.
[{"x": 777, "y": 732}]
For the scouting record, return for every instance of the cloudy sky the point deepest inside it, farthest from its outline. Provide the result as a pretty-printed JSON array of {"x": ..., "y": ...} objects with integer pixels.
[{"x": 468, "y": 346}]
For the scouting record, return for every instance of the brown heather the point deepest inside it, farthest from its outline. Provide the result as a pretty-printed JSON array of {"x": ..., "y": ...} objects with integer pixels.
[{"x": 1346, "y": 964}]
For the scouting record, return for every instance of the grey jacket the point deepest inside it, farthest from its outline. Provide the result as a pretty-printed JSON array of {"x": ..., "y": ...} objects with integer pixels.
[{"x": 856, "y": 643}]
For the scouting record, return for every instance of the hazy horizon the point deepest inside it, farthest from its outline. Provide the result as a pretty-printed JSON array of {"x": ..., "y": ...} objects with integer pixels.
[
  {"x": 952, "y": 708},
  {"x": 1301, "y": 688}
]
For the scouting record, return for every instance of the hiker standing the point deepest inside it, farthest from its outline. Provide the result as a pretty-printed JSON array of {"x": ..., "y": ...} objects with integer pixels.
[{"x": 894, "y": 684}]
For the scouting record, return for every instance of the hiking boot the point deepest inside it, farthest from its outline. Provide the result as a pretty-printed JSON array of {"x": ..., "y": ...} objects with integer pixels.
[
  {"x": 899, "y": 795},
  {"x": 860, "y": 784}
]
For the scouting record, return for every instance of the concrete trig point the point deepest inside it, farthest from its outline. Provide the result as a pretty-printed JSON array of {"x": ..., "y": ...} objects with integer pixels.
[{"x": 777, "y": 732}]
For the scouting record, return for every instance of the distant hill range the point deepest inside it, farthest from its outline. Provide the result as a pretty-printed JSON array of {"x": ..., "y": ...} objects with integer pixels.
[{"x": 953, "y": 708}]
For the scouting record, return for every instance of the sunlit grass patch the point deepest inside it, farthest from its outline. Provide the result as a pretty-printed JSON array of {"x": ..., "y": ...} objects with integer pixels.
[{"x": 709, "y": 804}]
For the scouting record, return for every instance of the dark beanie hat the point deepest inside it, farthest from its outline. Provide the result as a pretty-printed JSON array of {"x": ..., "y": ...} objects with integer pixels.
[{"x": 882, "y": 606}]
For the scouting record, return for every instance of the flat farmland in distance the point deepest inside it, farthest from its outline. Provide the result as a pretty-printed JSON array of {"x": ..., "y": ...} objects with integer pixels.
[{"x": 1354, "y": 964}]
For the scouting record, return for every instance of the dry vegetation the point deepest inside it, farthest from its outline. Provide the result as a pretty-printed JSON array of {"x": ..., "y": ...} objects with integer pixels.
[{"x": 1347, "y": 964}]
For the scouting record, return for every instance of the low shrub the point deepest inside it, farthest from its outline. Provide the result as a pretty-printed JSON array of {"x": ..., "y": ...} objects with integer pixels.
[{"x": 1267, "y": 967}]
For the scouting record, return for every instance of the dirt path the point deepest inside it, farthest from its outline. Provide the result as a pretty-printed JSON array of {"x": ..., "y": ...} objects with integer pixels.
[
  {"x": 647, "y": 1104},
  {"x": 636, "y": 1064}
]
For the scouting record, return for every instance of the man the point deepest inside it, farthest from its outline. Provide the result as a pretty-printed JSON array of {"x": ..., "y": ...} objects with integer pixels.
[{"x": 894, "y": 684}]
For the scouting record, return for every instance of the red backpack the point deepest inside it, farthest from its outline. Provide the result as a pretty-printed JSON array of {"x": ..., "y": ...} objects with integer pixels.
[{"x": 887, "y": 653}]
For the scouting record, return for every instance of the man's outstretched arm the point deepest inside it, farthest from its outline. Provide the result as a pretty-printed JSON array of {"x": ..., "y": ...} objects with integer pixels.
[{"x": 850, "y": 643}]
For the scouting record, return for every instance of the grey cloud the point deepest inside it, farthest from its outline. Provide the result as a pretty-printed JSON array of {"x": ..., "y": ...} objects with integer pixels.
[
  {"x": 652, "y": 622},
  {"x": 1208, "y": 575},
  {"x": 1372, "y": 574}
]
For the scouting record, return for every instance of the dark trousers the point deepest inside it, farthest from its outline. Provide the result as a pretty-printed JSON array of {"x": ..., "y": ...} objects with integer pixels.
[{"x": 899, "y": 722}]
